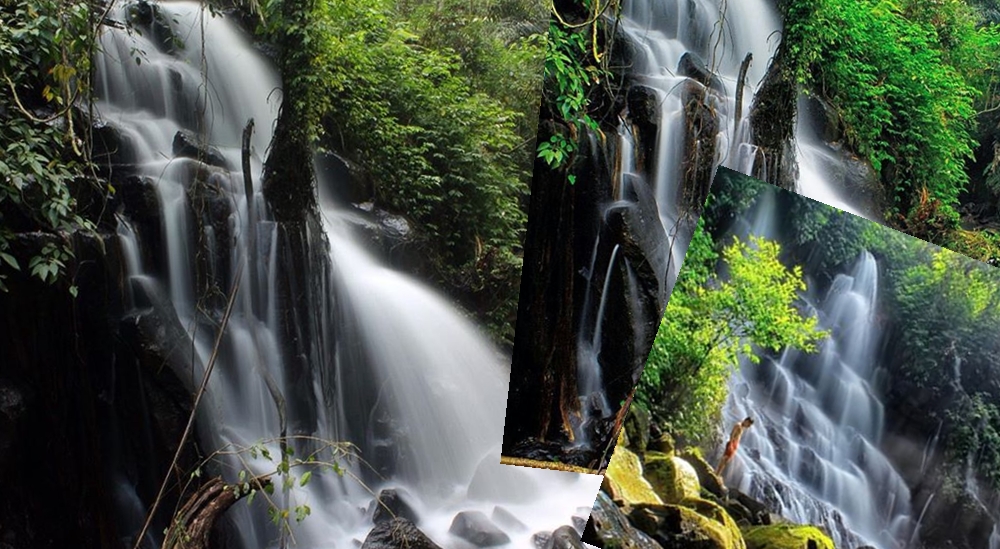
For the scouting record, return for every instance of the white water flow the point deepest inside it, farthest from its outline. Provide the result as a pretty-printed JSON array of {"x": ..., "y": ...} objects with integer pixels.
[
  {"x": 721, "y": 33},
  {"x": 812, "y": 454},
  {"x": 397, "y": 370}
]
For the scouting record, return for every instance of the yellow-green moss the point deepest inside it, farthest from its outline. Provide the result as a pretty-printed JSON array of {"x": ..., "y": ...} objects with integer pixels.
[
  {"x": 706, "y": 473},
  {"x": 718, "y": 514},
  {"x": 785, "y": 537},
  {"x": 687, "y": 527},
  {"x": 671, "y": 477},
  {"x": 624, "y": 476}
]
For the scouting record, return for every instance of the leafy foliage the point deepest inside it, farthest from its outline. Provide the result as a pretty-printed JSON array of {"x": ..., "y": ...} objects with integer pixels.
[
  {"x": 714, "y": 320},
  {"x": 45, "y": 65},
  {"x": 905, "y": 77},
  {"x": 574, "y": 68},
  {"x": 433, "y": 100}
]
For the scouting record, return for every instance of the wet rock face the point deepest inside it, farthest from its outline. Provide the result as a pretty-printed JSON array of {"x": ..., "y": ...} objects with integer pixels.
[
  {"x": 822, "y": 118},
  {"x": 13, "y": 404},
  {"x": 113, "y": 152},
  {"x": 187, "y": 144},
  {"x": 676, "y": 527},
  {"x": 106, "y": 412},
  {"x": 391, "y": 503},
  {"x": 609, "y": 527},
  {"x": 699, "y": 146},
  {"x": 398, "y": 533},
  {"x": 645, "y": 114},
  {"x": 391, "y": 235},
  {"x": 694, "y": 67},
  {"x": 343, "y": 179},
  {"x": 565, "y": 537},
  {"x": 148, "y": 18},
  {"x": 476, "y": 528}
]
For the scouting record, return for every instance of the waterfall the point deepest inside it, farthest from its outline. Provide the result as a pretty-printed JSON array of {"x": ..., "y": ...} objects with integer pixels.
[
  {"x": 669, "y": 34},
  {"x": 720, "y": 33},
  {"x": 813, "y": 454},
  {"x": 399, "y": 372}
]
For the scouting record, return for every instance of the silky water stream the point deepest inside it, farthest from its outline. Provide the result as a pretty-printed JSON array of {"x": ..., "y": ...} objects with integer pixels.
[
  {"x": 813, "y": 453},
  {"x": 397, "y": 369}
]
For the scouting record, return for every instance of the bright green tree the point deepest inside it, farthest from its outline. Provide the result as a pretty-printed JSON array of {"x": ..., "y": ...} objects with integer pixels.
[{"x": 713, "y": 320}]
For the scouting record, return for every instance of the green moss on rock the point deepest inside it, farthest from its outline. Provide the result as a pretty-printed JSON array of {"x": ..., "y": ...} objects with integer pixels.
[
  {"x": 706, "y": 473},
  {"x": 786, "y": 536},
  {"x": 671, "y": 477},
  {"x": 717, "y": 513},
  {"x": 624, "y": 479},
  {"x": 674, "y": 526}
]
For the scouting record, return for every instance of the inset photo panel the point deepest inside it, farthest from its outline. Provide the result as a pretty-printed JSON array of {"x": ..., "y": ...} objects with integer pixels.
[{"x": 817, "y": 380}]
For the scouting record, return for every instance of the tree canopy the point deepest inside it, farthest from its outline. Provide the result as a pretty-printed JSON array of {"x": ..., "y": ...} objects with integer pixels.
[{"x": 723, "y": 307}]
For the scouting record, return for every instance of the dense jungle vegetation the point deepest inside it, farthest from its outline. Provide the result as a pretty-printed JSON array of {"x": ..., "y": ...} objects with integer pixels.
[
  {"x": 437, "y": 102},
  {"x": 940, "y": 310},
  {"x": 914, "y": 87}
]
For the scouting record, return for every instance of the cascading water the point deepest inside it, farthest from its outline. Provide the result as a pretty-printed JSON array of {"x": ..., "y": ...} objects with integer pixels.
[
  {"x": 813, "y": 453},
  {"x": 664, "y": 30},
  {"x": 674, "y": 37},
  {"x": 399, "y": 368},
  {"x": 721, "y": 33},
  {"x": 815, "y": 444}
]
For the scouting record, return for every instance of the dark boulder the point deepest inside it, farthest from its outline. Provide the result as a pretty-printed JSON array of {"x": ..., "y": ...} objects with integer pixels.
[
  {"x": 147, "y": 17},
  {"x": 112, "y": 151},
  {"x": 541, "y": 540},
  {"x": 757, "y": 512},
  {"x": 398, "y": 533},
  {"x": 476, "y": 528},
  {"x": 565, "y": 537},
  {"x": 188, "y": 144},
  {"x": 391, "y": 503},
  {"x": 608, "y": 526},
  {"x": 645, "y": 113},
  {"x": 694, "y": 67}
]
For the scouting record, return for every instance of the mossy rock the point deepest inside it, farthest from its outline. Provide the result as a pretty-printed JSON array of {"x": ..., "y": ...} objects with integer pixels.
[
  {"x": 637, "y": 427},
  {"x": 718, "y": 513},
  {"x": 624, "y": 479},
  {"x": 676, "y": 527},
  {"x": 786, "y": 536},
  {"x": 706, "y": 473},
  {"x": 671, "y": 477},
  {"x": 664, "y": 444}
]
